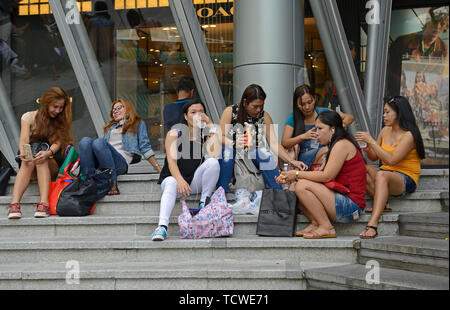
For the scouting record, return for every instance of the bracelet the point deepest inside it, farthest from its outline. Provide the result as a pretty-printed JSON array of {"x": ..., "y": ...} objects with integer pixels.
[
  {"x": 296, "y": 175},
  {"x": 53, "y": 153}
]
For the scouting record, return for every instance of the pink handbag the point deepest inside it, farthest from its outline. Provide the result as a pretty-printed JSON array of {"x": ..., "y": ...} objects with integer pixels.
[{"x": 213, "y": 220}]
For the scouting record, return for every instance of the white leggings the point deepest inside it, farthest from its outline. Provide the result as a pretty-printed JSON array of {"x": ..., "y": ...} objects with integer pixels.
[{"x": 204, "y": 181}]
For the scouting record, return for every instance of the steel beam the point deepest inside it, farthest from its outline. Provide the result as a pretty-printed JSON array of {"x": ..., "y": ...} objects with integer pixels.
[
  {"x": 339, "y": 60},
  {"x": 84, "y": 62},
  {"x": 376, "y": 67},
  {"x": 9, "y": 129}
]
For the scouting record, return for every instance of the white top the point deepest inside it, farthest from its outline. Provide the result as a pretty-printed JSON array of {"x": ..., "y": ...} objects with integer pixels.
[
  {"x": 115, "y": 139},
  {"x": 30, "y": 118}
]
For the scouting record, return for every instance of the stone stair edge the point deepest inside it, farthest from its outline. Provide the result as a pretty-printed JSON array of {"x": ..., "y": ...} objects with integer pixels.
[
  {"x": 150, "y": 219},
  {"x": 353, "y": 276},
  {"x": 420, "y": 194},
  {"x": 408, "y": 245}
]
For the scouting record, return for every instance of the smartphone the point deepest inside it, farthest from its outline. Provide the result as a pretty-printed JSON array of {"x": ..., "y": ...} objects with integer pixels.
[{"x": 27, "y": 150}]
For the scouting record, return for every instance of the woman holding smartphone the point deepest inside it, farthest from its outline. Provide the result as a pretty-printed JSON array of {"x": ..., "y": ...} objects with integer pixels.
[{"x": 50, "y": 125}]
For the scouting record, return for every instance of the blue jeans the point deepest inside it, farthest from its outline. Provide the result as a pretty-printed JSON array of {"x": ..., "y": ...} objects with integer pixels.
[
  {"x": 263, "y": 160},
  {"x": 99, "y": 153},
  {"x": 346, "y": 209}
]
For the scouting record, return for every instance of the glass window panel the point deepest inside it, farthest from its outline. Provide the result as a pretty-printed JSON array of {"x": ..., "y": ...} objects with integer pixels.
[
  {"x": 119, "y": 4},
  {"x": 130, "y": 4},
  {"x": 141, "y": 4},
  {"x": 152, "y": 3},
  {"x": 34, "y": 9},
  {"x": 418, "y": 70},
  {"x": 36, "y": 61}
]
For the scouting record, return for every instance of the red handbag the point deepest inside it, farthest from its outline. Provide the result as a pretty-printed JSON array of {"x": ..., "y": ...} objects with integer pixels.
[
  {"x": 337, "y": 187},
  {"x": 333, "y": 185}
]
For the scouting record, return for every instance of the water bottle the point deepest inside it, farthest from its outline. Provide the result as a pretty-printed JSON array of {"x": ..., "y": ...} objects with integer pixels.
[{"x": 285, "y": 168}]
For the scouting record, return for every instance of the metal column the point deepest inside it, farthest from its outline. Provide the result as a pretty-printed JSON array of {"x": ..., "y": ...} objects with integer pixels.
[
  {"x": 336, "y": 49},
  {"x": 84, "y": 62},
  {"x": 198, "y": 56},
  {"x": 377, "y": 54},
  {"x": 9, "y": 129},
  {"x": 268, "y": 50}
]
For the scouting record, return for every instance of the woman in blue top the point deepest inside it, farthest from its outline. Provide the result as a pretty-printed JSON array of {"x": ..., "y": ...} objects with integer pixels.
[
  {"x": 299, "y": 127},
  {"x": 125, "y": 142}
]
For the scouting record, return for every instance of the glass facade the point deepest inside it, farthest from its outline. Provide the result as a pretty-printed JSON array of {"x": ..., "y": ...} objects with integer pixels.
[{"x": 142, "y": 58}]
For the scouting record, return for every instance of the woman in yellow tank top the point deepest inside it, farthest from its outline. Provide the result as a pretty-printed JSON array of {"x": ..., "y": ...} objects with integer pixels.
[{"x": 400, "y": 148}]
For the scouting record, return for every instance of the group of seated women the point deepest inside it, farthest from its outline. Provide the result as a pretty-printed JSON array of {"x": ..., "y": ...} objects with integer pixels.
[{"x": 200, "y": 156}]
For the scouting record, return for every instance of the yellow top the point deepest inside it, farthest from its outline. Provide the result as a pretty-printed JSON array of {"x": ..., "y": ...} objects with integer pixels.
[{"x": 410, "y": 165}]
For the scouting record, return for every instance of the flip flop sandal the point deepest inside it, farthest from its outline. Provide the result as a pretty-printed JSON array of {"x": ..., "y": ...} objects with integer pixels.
[
  {"x": 320, "y": 236},
  {"x": 370, "y": 237}
]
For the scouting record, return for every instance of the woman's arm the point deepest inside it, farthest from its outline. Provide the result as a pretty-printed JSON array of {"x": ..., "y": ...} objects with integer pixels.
[
  {"x": 347, "y": 119},
  {"x": 171, "y": 152},
  {"x": 225, "y": 121},
  {"x": 342, "y": 151},
  {"x": 24, "y": 138},
  {"x": 399, "y": 153},
  {"x": 276, "y": 147},
  {"x": 287, "y": 140},
  {"x": 371, "y": 143}
]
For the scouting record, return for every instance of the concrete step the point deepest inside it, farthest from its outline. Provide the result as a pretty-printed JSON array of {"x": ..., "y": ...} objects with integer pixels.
[
  {"x": 432, "y": 179},
  {"x": 215, "y": 274},
  {"x": 148, "y": 203},
  {"x": 425, "y": 225},
  {"x": 100, "y": 225},
  {"x": 353, "y": 277},
  {"x": 143, "y": 179},
  {"x": 407, "y": 253},
  {"x": 101, "y": 249}
]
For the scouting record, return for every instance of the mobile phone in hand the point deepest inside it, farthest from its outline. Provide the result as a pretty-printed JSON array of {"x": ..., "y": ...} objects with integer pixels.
[{"x": 27, "y": 150}]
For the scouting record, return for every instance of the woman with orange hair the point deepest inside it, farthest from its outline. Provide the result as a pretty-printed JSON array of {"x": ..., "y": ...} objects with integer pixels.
[
  {"x": 125, "y": 142},
  {"x": 48, "y": 130}
]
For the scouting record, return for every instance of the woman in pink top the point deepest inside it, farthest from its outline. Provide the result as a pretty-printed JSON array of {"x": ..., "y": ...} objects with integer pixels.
[{"x": 344, "y": 161}]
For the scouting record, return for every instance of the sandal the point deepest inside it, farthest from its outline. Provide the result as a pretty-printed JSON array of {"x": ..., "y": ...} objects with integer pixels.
[
  {"x": 300, "y": 233},
  {"x": 315, "y": 235},
  {"x": 367, "y": 228},
  {"x": 387, "y": 208},
  {"x": 114, "y": 190}
]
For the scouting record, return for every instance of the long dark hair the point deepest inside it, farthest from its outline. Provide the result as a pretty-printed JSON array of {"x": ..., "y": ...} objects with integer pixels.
[
  {"x": 299, "y": 118},
  {"x": 252, "y": 92},
  {"x": 406, "y": 120},
  {"x": 333, "y": 119}
]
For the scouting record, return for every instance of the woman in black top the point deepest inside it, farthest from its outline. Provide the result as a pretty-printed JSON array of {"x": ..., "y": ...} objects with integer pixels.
[{"x": 191, "y": 164}]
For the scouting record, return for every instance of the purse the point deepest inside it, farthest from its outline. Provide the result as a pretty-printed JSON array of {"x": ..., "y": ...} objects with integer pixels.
[
  {"x": 337, "y": 187},
  {"x": 334, "y": 185},
  {"x": 77, "y": 198},
  {"x": 214, "y": 220},
  {"x": 104, "y": 180},
  {"x": 246, "y": 175},
  {"x": 277, "y": 213},
  {"x": 67, "y": 173}
]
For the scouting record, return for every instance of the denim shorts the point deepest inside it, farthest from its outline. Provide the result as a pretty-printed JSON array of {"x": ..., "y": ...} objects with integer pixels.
[
  {"x": 410, "y": 185},
  {"x": 346, "y": 209}
]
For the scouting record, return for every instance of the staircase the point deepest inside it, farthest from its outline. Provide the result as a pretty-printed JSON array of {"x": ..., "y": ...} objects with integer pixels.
[{"x": 112, "y": 249}]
